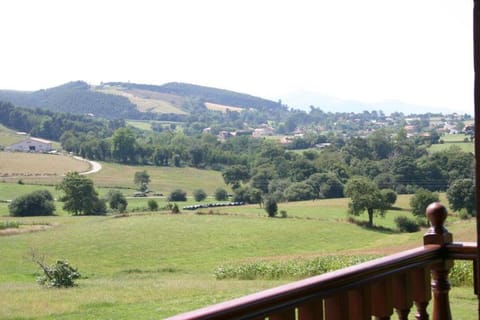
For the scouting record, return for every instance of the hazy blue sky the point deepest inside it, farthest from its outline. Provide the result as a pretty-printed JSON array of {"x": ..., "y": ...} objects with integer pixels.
[{"x": 417, "y": 51}]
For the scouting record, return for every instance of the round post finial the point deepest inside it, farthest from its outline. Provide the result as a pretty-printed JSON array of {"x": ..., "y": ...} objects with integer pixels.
[
  {"x": 437, "y": 214},
  {"x": 437, "y": 234}
]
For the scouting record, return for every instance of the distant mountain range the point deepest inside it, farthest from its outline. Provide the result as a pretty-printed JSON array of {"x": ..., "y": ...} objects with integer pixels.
[
  {"x": 140, "y": 101},
  {"x": 304, "y": 99}
]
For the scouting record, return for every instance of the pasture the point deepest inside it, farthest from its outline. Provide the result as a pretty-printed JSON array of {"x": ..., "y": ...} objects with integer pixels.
[
  {"x": 153, "y": 265},
  {"x": 453, "y": 140}
]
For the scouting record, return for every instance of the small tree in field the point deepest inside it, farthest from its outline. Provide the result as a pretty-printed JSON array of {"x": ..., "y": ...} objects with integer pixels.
[
  {"x": 142, "y": 179},
  {"x": 270, "y": 206},
  {"x": 365, "y": 196},
  {"x": 80, "y": 195},
  {"x": 199, "y": 195}
]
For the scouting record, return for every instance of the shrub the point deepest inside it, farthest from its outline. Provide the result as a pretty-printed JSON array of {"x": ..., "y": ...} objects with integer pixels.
[
  {"x": 405, "y": 224},
  {"x": 36, "y": 203},
  {"x": 58, "y": 275},
  {"x": 177, "y": 195},
  {"x": 199, "y": 194},
  {"x": 221, "y": 194},
  {"x": 175, "y": 208},
  {"x": 270, "y": 206},
  {"x": 152, "y": 205},
  {"x": 117, "y": 200},
  {"x": 283, "y": 213}
]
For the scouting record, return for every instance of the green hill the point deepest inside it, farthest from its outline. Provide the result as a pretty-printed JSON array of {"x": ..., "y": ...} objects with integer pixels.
[
  {"x": 117, "y": 100},
  {"x": 73, "y": 97}
]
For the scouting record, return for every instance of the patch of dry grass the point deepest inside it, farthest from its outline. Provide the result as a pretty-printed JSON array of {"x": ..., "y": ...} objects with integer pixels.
[
  {"x": 37, "y": 167},
  {"x": 221, "y": 107}
]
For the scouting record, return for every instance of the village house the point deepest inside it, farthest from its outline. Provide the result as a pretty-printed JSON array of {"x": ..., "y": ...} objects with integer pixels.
[{"x": 31, "y": 145}]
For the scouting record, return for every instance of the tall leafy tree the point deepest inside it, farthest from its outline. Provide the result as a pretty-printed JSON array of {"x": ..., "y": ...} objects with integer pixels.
[
  {"x": 236, "y": 174},
  {"x": 365, "y": 196},
  {"x": 80, "y": 195},
  {"x": 141, "y": 179},
  {"x": 461, "y": 195},
  {"x": 124, "y": 145}
]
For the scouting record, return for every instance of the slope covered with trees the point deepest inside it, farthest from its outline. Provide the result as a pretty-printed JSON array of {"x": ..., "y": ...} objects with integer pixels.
[{"x": 74, "y": 97}]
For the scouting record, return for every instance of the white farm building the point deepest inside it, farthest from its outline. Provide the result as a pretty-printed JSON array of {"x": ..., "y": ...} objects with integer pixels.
[{"x": 31, "y": 145}]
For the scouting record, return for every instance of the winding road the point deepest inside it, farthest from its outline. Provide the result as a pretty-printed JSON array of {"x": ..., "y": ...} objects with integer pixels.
[{"x": 94, "y": 166}]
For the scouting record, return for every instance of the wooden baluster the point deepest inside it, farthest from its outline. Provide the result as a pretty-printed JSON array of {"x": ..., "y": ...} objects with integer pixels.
[
  {"x": 421, "y": 291},
  {"x": 402, "y": 295},
  {"x": 359, "y": 304},
  {"x": 437, "y": 234},
  {"x": 286, "y": 314},
  {"x": 312, "y": 310},
  {"x": 382, "y": 304},
  {"x": 336, "y": 307}
]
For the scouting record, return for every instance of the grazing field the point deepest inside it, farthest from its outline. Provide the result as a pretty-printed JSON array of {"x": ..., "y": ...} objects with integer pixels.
[
  {"x": 453, "y": 140},
  {"x": 163, "y": 179},
  {"x": 154, "y": 265}
]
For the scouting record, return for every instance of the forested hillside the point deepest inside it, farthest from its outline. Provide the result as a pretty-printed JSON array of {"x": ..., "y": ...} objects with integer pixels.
[
  {"x": 206, "y": 94},
  {"x": 74, "y": 97},
  {"x": 80, "y": 98}
]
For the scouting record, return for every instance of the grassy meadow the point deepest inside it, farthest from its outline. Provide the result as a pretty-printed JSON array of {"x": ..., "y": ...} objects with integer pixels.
[
  {"x": 453, "y": 140},
  {"x": 154, "y": 264}
]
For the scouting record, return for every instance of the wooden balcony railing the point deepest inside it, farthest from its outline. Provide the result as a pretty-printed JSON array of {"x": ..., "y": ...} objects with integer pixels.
[{"x": 378, "y": 288}]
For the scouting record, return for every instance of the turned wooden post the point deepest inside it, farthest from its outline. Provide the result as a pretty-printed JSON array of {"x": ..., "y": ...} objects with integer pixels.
[{"x": 438, "y": 235}]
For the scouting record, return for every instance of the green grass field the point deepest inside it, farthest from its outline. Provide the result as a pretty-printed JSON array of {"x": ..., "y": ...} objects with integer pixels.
[
  {"x": 453, "y": 140},
  {"x": 154, "y": 265}
]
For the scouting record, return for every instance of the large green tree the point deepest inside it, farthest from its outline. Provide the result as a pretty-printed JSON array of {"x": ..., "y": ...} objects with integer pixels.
[
  {"x": 80, "y": 195},
  {"x": 236, "y": 174},
  {"x": 365, "y": 196},
  {"x": 461, "y": 195},
  {"x": 124, "y": 145}
]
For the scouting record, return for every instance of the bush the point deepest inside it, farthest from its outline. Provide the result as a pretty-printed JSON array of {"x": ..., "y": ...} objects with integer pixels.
[
  {"x": 117, "y": 200},
  {"x": 221, "y": 194},
  {"x": 152, "y": 205},
  {"x": 199, "y": 195},
  {"x": 177, "y": 195},
  {"x": 59, "y": 275},
  {"x": 175, "y": 208},
  {"x": 36, "y": 203},
  {"x": 405, "y": 224},
  {"x": 271, "y": 207}
]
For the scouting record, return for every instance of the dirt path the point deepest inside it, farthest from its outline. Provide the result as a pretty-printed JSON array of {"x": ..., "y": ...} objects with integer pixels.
[{"x": 94, "y": 166}]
